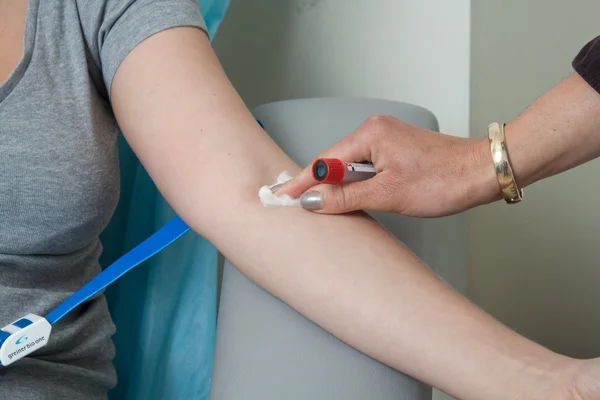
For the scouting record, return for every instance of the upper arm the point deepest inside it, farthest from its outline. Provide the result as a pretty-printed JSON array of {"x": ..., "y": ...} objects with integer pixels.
[
  {"x": 156, "y": 66},
  {"x": 189, "y": 127},
  {"x": 113, "y": 28}
]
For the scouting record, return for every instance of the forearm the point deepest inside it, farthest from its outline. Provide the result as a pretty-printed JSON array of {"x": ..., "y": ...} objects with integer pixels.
[
  {"x": 364, "y": 287},
  {"x": 559, "y": 131},
  {"x": 209, "y": 157}
]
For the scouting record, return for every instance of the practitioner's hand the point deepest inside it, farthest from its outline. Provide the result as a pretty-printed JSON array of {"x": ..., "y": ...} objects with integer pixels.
[{"x": 419, "y": 172}]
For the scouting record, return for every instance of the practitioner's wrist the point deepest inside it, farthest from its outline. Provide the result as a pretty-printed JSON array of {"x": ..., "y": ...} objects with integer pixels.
[{"x": 483, "y": 182}]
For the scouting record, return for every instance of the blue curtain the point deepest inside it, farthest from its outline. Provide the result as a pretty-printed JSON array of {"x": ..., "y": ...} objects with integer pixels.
[{"x": 164, "y": 310}]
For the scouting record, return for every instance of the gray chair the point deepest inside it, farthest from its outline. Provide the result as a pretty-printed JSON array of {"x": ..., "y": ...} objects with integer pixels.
[{"x": 267, "y": 351}]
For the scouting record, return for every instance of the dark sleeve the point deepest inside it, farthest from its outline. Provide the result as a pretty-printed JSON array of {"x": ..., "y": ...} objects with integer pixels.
[{"x": 587, "y": 63}]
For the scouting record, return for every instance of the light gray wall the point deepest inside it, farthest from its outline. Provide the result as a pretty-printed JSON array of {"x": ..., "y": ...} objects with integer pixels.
[
  {"x": 412, "y": 51},
  {"x": 535, "y": 266}
]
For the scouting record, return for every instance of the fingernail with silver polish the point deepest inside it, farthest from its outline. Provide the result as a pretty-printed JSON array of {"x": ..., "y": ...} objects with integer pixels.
[{"x": 311, "y": 201}]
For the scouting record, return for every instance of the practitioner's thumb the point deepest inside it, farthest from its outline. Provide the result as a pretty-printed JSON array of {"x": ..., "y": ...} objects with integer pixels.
[{"x": 338, "y": 199}]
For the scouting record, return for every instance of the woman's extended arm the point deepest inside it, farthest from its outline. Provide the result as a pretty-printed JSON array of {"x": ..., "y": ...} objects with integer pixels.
[{"x": 208, "y": 157}]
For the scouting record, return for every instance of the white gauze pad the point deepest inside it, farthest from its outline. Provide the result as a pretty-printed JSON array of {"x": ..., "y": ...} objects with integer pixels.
[{"x": 268, "y": 198}]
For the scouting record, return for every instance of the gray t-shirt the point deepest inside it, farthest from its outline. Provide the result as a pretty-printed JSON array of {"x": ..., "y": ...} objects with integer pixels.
[{"x": 59, "y": 181}]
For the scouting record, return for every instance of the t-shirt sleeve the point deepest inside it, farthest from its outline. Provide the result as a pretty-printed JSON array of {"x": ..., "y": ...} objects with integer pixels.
[
  {"x": 115, "y": 27},
  {"x": 587, "y": 63}
]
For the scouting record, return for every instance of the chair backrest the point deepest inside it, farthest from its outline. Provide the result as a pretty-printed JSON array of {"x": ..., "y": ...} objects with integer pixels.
[{"x": 264, "y": 349}]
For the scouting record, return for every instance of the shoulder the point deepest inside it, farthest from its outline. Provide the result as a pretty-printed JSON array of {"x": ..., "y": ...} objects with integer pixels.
[{"x": 113, "y": 28}]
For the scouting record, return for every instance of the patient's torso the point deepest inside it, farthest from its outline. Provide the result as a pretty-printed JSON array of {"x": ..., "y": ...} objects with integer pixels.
[
  {"x": 59, "y": 182},
  {"x": 58, "y": 155}
]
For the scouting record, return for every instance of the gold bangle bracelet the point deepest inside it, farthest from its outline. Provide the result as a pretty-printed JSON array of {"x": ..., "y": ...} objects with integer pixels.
[{"x": 510, "y": 190}]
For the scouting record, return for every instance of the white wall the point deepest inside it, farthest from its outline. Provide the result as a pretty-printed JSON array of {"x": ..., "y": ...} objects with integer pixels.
[
  {"x": 414, "y": 51},
  {"x": 535, "y": 266},
  {"x": 406, "y": 50}
]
